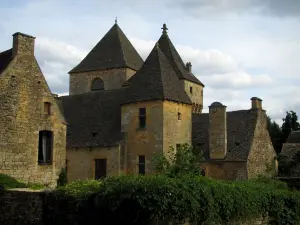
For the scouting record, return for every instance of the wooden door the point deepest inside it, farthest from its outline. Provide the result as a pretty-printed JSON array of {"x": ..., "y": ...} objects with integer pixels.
[{"x": 100, "y": 168}]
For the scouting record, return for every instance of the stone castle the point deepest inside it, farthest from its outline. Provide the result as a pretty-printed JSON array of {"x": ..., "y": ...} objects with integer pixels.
[{"x": 119, "y": 112}]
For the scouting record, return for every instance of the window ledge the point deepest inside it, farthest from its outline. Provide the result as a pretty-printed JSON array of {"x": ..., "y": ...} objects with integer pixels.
[
  {"x": 141, "y": 128},
  {"x": 45, "y": 163}
]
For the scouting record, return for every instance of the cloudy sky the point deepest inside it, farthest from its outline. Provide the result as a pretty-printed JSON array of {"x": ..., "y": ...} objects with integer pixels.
[{"x": 238, "y": 48}]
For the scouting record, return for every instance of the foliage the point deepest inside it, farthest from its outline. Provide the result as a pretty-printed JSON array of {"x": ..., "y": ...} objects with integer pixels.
[
  {"x": 35, "y": 186},
  {"x": 9, "y": 182},
  {"x": 275, "y": 134},
  {"x": 197, "y": 199},
  {"x": 182, "y": 161},
  {"x": 290, "y": 122},
  {"x": 62, "y": 178},
  {"x": 80, "y": 188}
]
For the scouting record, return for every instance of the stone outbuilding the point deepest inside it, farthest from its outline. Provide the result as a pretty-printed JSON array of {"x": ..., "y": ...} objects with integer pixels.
[{"x": 32, "y": 128}]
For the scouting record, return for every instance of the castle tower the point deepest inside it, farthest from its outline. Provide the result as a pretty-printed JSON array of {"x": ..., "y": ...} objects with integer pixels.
[
  {"x": 191, "y": 84},
  {"x": 217, "y": 131},
  {"x": 156, "y": 114},
  {"x": 108, "y": 65}
]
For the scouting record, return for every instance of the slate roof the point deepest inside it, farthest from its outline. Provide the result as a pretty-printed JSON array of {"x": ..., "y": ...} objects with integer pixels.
[
  {"x": 294, "y": 137},
  {"x": 5, "y": 59},
  {"x": 114, "y": 50},
  {"x": 156, "y": 80},
  {"x": 240, "y": 130},
  {"x": 94, "y": 118},
  {"x": 171, "y": 53}
]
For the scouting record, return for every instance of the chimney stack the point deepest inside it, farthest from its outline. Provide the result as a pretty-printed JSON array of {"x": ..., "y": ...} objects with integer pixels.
[
  {"x": 189, "y": 66},
  {"x": 217, "y": 131},
  {"x": 23, "y": 44},
  {"x": 256, "y": 103}
]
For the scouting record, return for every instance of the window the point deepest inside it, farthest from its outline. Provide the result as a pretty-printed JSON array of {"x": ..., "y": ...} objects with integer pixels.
[
  {"x": 100, "y": 168},
  {"x": 142, "y": 117},
  {"x": 141, "y": 165},
  {"x": 201, "y": 92},
  {"x": 97, "y": 85},
  {"x": 179, "y": 116},
  {"x": 45, "y": 147},
  {"x": 47, "y": 108},
  {"x": 191, "y": 90}
]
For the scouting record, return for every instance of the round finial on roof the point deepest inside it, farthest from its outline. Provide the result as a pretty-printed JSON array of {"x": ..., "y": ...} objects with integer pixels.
[
  {"x": 164, "y": 28},
  {"x": 216, "y": 104},
  {"x": 116, "y": 20}
]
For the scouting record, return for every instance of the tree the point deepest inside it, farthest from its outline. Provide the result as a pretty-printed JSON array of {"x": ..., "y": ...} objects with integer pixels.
[
  {"x": 290, "y": 122},
  {"x": 275, "y": 134},
  {"x": 182, "y": 161}
]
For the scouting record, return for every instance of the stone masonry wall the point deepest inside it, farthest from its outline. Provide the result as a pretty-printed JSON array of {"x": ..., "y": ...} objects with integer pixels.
[
  {"x": 112, "y": 78},
  {"x": 262, "y": 155},
  {"x": 139, "y": 141},
  {"x": 81, "y": 162},
  {"x": 196, "y": 96},
  {"x": 23, "y": 91},
  {"x": 175, "y": 130},
  {"x": 225, "y": 170}
]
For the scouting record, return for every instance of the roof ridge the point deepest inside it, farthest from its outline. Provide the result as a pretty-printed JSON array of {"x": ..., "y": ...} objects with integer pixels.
[{"x": 121, "y": 44}]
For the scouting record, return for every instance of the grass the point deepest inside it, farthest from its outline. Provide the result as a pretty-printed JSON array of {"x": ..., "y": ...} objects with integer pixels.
[{"x": 9, "y": 182}]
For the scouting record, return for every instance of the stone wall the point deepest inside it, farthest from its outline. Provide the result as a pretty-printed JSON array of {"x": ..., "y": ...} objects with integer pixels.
[
  {"x": 24, "y": 207},
  {"x": 262, "y": 155},
  {"x": 176, "y": 130},
  {"x": 225, "y": 170},
  {"x": 81, "y": 162},
  {"x": 196, "y": 96},
  {"x": 23, "y": 91},
  {"x": 112, "y": 78},
  {"x": 142, "y": 141}
]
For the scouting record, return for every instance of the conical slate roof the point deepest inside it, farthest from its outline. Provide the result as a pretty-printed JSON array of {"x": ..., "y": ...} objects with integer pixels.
[
  {"x": 114, "y": 50},
  {"x": 178, "y": 65},
  {"x": 156, "y": 80}
]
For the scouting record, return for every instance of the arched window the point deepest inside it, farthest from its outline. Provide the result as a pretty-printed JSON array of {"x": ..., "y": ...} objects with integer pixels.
[
  {"x": 45, "y": 147},
  {"x": 97, "y": 85}
]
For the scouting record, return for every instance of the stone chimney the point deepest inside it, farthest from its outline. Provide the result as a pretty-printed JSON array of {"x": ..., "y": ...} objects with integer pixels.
[
  {"x": 188, "y": 66},
  {"x": 217, "y": 131},
  {"x": 23, "y": 44},
  {"x": 256, "y": 103}
]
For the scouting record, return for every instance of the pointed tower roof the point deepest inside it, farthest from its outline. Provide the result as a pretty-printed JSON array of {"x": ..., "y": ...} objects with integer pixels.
[
  {"x": 171, "y": 53},
  {"x": 114, "y": 50},
  {"x": 156, "y": 80}
]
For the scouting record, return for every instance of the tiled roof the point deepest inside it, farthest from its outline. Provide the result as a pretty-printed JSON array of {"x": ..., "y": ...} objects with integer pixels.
[
  {"x": 294, "y": 137},
  {"x": 5, "y": 58},
  {"x": 94, "y": 118},
  {"x": 156, "y": 80},
  {"x": 171, "y": 53},
  {"x": 240, "y": 130},
  {"x": 114, "y": 50}
]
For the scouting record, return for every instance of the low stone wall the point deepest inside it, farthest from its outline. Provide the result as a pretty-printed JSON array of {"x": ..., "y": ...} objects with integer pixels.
[{"x": 23, "y": 207}]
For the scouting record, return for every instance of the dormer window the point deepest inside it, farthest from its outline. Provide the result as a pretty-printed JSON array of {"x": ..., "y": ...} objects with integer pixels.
[
  {"x": 47, "y": 108},
  {"x": 191, "y": 90}
]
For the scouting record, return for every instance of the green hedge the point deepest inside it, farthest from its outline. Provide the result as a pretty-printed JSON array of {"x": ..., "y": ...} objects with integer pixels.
[{"x": 140, "y": 199}]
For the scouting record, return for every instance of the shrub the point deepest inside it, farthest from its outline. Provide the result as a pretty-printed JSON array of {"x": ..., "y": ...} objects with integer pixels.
[
  {"x": 141, "y": 199},
  {"x": 62, "y": 178},
  {"x": 183, "y": 161}
]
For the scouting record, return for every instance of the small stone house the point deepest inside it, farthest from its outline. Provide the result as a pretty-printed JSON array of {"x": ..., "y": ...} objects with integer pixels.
[
  {"x": 32, "y": 128},
  {"x": 120, "y": 111},
  {"x": 291, "y": 152}
]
